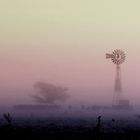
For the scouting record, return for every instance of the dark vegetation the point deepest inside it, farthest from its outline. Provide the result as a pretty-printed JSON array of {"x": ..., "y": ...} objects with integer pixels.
[{"x": 60, "y": 129}]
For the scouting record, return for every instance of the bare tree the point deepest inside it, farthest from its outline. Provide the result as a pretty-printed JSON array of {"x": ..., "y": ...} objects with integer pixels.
[{"x": 49, "y": 93}]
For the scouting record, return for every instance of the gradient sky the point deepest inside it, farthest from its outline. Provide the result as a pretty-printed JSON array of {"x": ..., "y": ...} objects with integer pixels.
[{"x": 64, "y": 42}]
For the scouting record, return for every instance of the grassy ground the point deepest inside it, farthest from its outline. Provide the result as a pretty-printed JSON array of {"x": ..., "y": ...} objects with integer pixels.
[
  {"x": 63, "y": 128},
  {"x": 63, "y": 131},
  {"x": 56, "y": 133}
]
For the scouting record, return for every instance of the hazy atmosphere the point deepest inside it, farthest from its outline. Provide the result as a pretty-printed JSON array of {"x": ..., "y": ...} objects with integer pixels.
[{"x": 64, "y": 42}]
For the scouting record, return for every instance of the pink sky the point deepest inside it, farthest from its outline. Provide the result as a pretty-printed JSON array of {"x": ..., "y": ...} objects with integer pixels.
[{"x": 75, "y": 63}]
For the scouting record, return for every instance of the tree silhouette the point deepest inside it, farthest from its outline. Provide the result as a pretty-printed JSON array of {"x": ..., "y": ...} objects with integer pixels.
[{"x": 49, "y": 93}]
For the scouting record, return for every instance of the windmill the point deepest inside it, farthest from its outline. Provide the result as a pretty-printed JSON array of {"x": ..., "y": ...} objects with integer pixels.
[{"x": 118, "y": 57}]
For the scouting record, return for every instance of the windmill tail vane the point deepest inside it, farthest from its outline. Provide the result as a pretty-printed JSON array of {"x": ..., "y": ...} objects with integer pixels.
[{"x": 109, "y": 56}]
